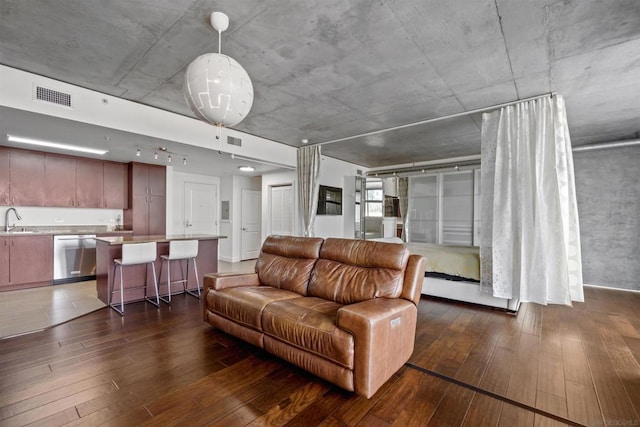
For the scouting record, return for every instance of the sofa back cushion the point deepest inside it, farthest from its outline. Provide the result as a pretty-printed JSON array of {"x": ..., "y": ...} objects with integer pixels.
[
  {"x": 350, "y": 271},
  {"x": 285, "y": 262}
]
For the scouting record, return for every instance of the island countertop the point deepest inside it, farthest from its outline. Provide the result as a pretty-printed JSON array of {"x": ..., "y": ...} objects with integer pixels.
[
  {"x": 160, "y": 238},
  {"x": 137, "y": 278}
]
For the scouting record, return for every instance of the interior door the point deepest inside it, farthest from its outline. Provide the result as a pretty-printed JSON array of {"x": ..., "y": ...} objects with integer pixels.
[
  {"x": 200, "y": 213},
  {"x": 282, "y": 210},
  {"x": 251, "y": 207}
]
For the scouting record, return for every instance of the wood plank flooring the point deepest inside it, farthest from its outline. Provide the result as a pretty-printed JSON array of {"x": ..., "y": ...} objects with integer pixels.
[{"x": 472, "y": 366}]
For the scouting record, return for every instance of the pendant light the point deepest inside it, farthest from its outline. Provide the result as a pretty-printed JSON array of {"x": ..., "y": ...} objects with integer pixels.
[{"x": 216, "y": 87}]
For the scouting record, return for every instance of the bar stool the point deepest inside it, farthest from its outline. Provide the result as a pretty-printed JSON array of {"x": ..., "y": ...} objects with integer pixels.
[
  {"x": 135, "y": 254},
  {"x": 181, "y": 250}
]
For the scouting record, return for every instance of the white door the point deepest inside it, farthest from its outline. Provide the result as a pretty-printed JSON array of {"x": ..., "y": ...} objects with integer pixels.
[
  {"x": 251, "y": 207},
  {"x": 282, "y": 210},
  {"x": 200, "y": 208}
]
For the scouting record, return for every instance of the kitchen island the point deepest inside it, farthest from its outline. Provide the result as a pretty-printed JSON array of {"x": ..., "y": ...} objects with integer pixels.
[{"x": 110, "y": 248}]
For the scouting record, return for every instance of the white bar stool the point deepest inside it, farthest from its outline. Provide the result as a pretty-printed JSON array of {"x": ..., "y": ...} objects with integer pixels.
[
  {"x": 181, "y": 250},
  {"x": 135, "y": 254}
]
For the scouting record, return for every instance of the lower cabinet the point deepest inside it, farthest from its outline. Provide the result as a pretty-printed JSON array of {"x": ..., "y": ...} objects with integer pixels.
[{"x": 30, "y": 261}]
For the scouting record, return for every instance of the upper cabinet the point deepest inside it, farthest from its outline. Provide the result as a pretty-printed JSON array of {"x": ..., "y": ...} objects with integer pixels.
[
  {"x": 27, "y": 178},
  {"x": 89, "y": 183},
  {"x": 61, "y": 181},
  {"x": 31, "y": 178},
  {"x": 115, "y": 185},
  {"x": 146, "y": 214},
  {"x": 4, "y": 177}
]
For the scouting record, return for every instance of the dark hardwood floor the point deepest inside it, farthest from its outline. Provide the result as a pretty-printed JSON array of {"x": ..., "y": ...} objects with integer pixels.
[{"x": 472, "y": 366}]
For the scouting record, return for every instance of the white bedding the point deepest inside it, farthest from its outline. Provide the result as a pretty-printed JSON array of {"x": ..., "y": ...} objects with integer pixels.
[{"x": 460, "y": 261}]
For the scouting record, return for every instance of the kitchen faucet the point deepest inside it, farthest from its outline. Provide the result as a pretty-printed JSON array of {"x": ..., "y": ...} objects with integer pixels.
[{"x": 6, "y": 218}]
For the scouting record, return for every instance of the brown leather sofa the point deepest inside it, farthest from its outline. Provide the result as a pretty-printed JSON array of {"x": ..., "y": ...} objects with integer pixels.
[{"x": 344, "y": 310}]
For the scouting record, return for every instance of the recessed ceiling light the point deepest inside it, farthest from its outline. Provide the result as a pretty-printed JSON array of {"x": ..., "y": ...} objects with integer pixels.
[
  {"x": 51, "y": 144},
  {"x": 246, "y": 168},
  {"x": 304, "y": 140}
]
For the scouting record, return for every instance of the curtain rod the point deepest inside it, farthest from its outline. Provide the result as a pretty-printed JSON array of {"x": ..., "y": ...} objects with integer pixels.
[
  {"x": 436, "y": 119},
  {"x": 606, "y": 145}
]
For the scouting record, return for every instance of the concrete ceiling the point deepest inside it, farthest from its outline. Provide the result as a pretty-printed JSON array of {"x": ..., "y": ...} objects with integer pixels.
[{"x": 329, "y": 69}]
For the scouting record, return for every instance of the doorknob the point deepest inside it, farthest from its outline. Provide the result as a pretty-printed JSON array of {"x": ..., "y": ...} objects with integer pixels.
[
  {"x": 244, "y": 229},
  {"x": 189, "y": 224}
]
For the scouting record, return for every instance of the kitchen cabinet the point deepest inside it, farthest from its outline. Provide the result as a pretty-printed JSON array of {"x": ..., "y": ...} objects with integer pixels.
[
  {"x": 60, "y": 184},
  {"x": 115, "y": 185},
  {"x": 4, "y": 261},
  {"x": 27, "y": 178},
  {"x": 34, "y": 178},
  {"x": 73, "y": 182},
  {"x": 4, "y": 177},
  {"x": 146, "y": 214},
  {"x": 89, "y": 183},
  {"x": 30, "y": 261}
]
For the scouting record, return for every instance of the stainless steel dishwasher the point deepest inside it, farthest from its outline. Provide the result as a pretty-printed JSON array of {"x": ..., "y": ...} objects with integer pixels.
[{"x": 74, "y": 258}]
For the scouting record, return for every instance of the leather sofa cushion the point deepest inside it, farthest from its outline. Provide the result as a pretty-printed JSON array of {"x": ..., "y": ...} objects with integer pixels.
[
  {"x": 244, "y": 305},
  {"x": 310, "y": 324},
  {"x": 285, "y": 262},
  {"x": 351, "y": 271}
]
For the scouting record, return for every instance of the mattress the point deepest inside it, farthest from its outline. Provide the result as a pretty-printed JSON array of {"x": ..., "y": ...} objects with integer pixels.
[{"x": 458, "y": 261}]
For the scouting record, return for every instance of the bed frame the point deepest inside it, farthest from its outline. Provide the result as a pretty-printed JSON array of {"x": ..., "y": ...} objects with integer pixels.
[
  {"x": 455, "y": 287},
  {"x": 460, "y": 290}
]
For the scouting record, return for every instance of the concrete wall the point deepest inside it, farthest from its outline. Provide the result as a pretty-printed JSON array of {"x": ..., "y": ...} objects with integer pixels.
[{"x": 608, "y": 193}]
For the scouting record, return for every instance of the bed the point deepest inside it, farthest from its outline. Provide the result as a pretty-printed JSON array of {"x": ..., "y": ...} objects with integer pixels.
[{"x": 453, "y": 272}]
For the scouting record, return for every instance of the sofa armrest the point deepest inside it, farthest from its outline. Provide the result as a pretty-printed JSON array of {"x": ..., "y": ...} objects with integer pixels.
[
  {"x": 219, "y": 281},
  {"x": 384, "y": 334}
]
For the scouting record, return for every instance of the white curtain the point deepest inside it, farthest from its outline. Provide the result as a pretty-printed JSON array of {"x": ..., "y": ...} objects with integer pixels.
[
  {"x": 530, "y": 236},
  {"x": 308, "y": 184}
]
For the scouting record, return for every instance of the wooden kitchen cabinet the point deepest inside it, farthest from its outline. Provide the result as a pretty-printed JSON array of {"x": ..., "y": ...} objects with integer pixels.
[
  {"x": 30, "y": 261},
  {"x": 146, "y": 214},
  {"x": 4, "y": 177},
  {"x": 27, "y": 178},
  {"x": 4, "y": 261},
  {"x": 60, "y": 172},
  {"x": 89, "y": 183},
  {"x": 115, "y": 185},
  {"x": 73, "y": 182}
]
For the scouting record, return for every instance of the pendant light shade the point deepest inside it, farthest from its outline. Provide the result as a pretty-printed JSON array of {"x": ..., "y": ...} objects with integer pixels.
[{"x": 216, "y": 87}]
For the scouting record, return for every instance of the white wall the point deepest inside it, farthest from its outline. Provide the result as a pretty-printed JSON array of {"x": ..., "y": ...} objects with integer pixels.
[
  {"x": 42, "y": 216},
  {"x": 234, "y": 226},
  {"x": 96, "y": 108},
  {"x": 274, "y": 179},
  {"x": 336, "y": 173},
  {"x": 225, "y": 246},
  {"x": 175, "y": 198}
]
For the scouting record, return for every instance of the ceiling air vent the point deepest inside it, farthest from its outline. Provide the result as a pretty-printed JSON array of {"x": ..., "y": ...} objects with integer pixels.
[
  {"x": 234, "y": 141},
  {"x": 53, "y": 96}
]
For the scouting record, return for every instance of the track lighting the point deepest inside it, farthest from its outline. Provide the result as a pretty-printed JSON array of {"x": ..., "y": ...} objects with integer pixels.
[{"x": 156, "y": 153}]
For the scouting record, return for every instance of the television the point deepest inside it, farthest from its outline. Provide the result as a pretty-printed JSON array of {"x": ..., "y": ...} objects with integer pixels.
[{"x": 329, "y": 201}]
